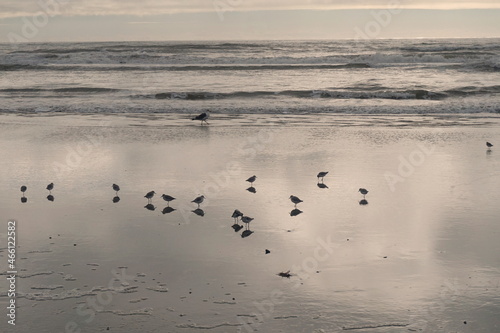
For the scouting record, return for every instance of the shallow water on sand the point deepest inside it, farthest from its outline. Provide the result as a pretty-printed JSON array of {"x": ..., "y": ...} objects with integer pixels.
[{"x": 422, "y": 255}]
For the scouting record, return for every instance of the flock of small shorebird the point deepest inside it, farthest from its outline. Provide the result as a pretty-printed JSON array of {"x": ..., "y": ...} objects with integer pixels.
[{"x": 199, "y": 200}]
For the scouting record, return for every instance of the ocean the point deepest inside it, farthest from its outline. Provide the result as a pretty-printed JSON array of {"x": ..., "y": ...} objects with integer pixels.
[{"x": 418, "y": 76}]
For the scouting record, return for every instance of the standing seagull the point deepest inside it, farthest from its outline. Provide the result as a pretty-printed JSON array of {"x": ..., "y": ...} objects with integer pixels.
[
  {"x": 199, "y": 200},
  {"x": 363, "y": 191},
  {"x": 150, "y": 195},
  {"x": 295, "y": 200},
  {"x": 23, "y": 189},
  {"x": 236, "y": 214},
  {"x": 203, "y": 117},
  {"x": 116, "y": 188},
  {"x": 247, "y": 220},
  {"x": 322, "y": 174},
  {"x": 489, "y": 145},
  {"x": 50, "y": 187},
  {"x": 252, "y": 179},
  {"x": 167, "y": 198}
]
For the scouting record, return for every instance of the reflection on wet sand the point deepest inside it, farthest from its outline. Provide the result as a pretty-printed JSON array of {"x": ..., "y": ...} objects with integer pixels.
[
  {"x": 199, "y": 212},
  {"x": 295, "y": 212},
  {"x": 252, "y": 189},
  {"x": 167, "y": 210},
  {"x": 150, "y": 206},
  {"x": 50, "y": 197},
  {"x": 116, "y": 199}
]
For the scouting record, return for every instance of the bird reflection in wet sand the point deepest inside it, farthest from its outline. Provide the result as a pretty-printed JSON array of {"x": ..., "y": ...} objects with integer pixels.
[
  {"x": 150, "y": 207},
  {"x": 24, "y": 199},
  {"x": 322, "y": 185},
  {"x": 246, "y": 233},
  {"x": 237, "y": 227},
  {"x": 252, "y": 189},
  {"x": 363, "y": 202},
  {"x": 199, "y": 212},
  {"x": 295, "y": 212},
  {"x": 50, "y": 197},
  {"x": 167, "y": 210},
  {"x": 116, "y": 199}
]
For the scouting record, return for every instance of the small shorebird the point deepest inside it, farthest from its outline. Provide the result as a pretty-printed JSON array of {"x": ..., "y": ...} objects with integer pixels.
[
  {"x": 295, "y": 200},
  {"x": 363, "y": 191},
  {"x": 321, "y": 175},
  {"x": 252, "y": 179},
  {"x": 23, "y": 189},
  {"x": 167, "y": 198},
  {"x": 116, "y": 188},
  {"x": 50, "y": 187},
  {"x": 489, "y": 145},
  {"x": 236, "y": 214},
  {"x": 199, "y": 200},
  {"x": 203, "y": 117},
  {"x": 247, "y": 220},
  {"x": 150, "y": 195}
]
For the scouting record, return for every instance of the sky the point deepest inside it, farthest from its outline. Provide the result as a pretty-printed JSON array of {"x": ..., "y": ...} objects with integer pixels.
[{"x": 117, "y": 20}]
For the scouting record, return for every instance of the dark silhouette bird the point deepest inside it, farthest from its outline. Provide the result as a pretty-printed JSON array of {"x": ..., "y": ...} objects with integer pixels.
[
  {"x": 150, "y": 195},
  {"x": 236, "y": 215},
  {"x": 116, "y": 199},
  {"x": 199, "y": 200},
  {"x": 322, "y": 174},
  {"x": 50, "y": 197},
  {"x": 295, "y": 200},
  {"x": 363, "y": 191},
  {"x": 116, "y": 188},
  {"x": 246, "y": 220},
  {"x": 23, "y": 189},
  {"x": 50, "y": 187},
  {"x": 489, "y": 145},
  {"x": 203, "y": 117},
  {"x": 252, "y": 179},
  {"x": 24, "y": 199},
  {"x": 167, "y": 198}
]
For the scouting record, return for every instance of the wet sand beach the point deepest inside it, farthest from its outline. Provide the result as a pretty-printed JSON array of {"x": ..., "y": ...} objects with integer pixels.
[{"x": 421, "y": 254}]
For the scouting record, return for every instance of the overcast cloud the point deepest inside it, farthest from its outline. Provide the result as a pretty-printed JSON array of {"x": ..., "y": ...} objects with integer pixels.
[{"x": 15, "y": 8}]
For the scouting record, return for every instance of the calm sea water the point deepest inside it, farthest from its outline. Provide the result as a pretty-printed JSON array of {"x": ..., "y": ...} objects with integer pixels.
[{"x": 340, "y": 76}]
